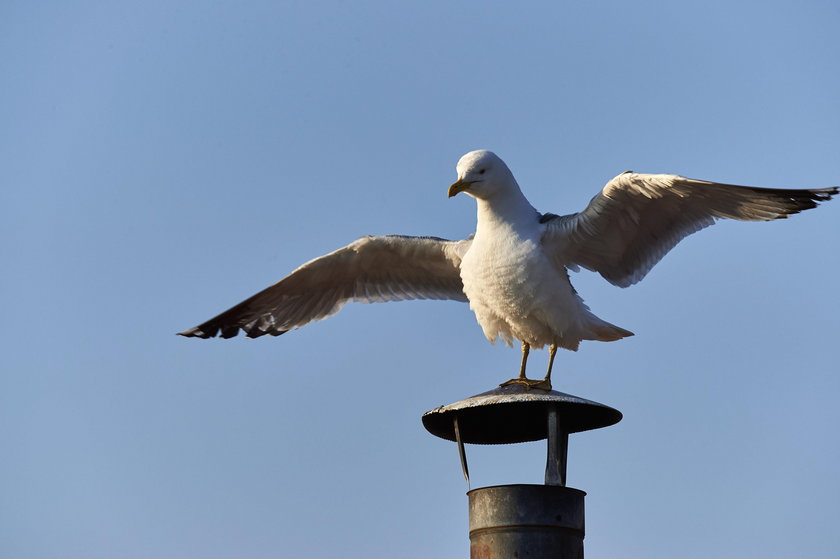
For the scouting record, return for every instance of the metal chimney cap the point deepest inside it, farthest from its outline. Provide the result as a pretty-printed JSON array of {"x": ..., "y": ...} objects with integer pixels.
[{"x": 516, "y": 414}]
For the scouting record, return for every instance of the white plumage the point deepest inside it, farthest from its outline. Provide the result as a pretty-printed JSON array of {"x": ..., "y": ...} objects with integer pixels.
[
  {"x": 514, "y": 270},
  {"x": 514, "y": 285}
]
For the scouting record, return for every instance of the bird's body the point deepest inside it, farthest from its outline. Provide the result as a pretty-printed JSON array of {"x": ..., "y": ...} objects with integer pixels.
[
  {"x": 515, "y": 289},
  {"x": 514, "y": 270}
]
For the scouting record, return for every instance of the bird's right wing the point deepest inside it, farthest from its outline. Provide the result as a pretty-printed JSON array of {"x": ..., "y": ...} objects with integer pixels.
[
  {"x": 369, "y": 270},
  {"x": 637, "y": 218}
]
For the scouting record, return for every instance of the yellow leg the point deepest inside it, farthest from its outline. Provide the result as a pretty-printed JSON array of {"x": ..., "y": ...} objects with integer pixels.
[
  {"x": 552, "y": 351},
  {"x": 544, "y": 384},
  {"x": 526, "y": 349}
]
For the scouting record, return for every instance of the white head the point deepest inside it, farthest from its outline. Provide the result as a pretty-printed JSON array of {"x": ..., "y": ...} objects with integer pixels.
[{"x": 482, "y": 174}]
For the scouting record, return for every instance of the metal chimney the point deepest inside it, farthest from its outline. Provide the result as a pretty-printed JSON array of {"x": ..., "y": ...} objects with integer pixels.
[{"x": 533, "y": 521}]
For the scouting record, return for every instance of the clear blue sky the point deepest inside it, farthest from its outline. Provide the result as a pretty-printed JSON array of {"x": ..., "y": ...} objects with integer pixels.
[{"x": 161, "y": 161}]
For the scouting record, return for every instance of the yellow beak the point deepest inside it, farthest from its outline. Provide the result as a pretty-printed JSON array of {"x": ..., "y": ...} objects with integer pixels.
[{"x": 459, "y": 186}]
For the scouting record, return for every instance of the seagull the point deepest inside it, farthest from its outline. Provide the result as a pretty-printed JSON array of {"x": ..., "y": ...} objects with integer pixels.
[{"x": 514, "y": 271}]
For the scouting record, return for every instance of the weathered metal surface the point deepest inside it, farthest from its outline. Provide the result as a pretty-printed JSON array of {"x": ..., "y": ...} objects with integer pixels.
[
  {"x": 558, "y": 451},
  {"x": 526, "y": 521},
  {"x": 533, "y": 521},
  {"x": 515, "y": 414},
  {"x": 462, "y": 452}
]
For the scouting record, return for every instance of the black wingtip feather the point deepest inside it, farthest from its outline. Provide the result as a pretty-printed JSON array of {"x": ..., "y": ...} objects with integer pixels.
[
  {"x": 226, "y": 332},
  {"x": 798, "y": 200},
  {"x": 827, "y": 193},
  {"x": 194, "y": 333},
  {"x": 229, "y": 331}
]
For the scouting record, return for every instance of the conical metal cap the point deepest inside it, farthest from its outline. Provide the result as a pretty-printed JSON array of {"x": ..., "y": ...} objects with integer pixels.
[{"x": 516, "y": 414}]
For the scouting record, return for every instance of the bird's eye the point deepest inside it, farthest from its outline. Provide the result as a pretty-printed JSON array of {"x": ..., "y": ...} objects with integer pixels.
[{"x": 481, "y": 172}]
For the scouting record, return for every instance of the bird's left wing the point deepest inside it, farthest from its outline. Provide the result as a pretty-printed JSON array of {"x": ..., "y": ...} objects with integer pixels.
[
  {"x": 371, "y": 269},
  {"x": 637, "y": 218}
]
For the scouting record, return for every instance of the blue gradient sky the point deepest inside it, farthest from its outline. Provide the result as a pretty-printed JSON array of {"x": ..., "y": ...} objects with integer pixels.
[{"x": 161, "y": 161}]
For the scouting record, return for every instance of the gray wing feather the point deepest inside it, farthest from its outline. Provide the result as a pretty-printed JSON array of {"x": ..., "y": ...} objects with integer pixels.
[
  {"x": 369, "y": 270},
  {"x": 637, "y": 218}
]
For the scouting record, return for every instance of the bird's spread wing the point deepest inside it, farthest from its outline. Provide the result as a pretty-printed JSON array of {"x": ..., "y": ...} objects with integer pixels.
[
  {"x": 636, "y": 219},
  {"x": 371, "y": 269}
]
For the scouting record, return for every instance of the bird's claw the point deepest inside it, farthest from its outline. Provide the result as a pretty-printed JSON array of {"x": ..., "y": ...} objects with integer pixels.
[{"x": 543, "y": 384}]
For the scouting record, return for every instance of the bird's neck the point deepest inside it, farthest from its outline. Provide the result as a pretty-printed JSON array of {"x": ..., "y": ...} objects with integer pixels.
[{"x": 507, "y": 209}]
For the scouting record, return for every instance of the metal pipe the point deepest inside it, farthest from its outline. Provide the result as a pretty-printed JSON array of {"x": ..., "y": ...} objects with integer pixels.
[
  {"x": 558, "y": 450},
  {"x": 533, "y": 521}
]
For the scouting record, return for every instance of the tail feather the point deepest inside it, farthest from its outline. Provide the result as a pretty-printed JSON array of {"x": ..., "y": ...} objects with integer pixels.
[{"x": 603, "y": 331}]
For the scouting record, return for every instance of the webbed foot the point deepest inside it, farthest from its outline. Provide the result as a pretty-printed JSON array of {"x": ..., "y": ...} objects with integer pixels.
[{"x": 544, "y": 384}]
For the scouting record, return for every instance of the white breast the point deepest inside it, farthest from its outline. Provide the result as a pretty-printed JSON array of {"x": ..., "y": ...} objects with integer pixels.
[{"x": 515, "y": 292}]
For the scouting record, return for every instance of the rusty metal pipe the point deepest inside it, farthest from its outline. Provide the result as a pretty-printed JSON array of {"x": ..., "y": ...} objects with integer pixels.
[{"x": 526, "y": 521}]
